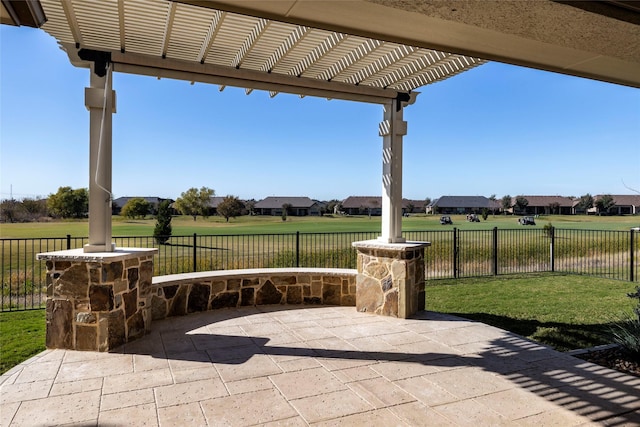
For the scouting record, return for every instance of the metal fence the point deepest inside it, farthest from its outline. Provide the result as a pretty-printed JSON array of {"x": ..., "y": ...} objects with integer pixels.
[{"x": 453, "y": 254}]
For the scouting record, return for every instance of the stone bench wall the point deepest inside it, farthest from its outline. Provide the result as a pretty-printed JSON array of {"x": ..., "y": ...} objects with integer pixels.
[{"x": 180, "y": 294}]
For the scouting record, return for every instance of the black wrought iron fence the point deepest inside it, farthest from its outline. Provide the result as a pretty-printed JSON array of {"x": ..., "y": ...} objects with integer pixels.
[{"x": 453, "y": 254}]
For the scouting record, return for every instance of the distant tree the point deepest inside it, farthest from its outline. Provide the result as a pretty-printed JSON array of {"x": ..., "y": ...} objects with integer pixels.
[
  {"x": 285, "y": 211},
  {"x": 194, "y": 202},
  {"x": 485, "y": 213},
  {"x": 69, "y": 203},
  {"x": 34, "y": 208},
  {"x": 250, "y": 206},
  {"x": 331, "y": 206},
  {"x": 586, "y": 202},
  {"x": 521, "y": 203},
  {"x": 493, "y": 198},
  {"x": 136, "y": 208},
  {"x": 162, "y": 230},
  {"x": 506, "y": 203},
  {"x": 554, "y": 208},
  {"x": 230, "y": 207},
  {"x": 604, "y": 203},
  {"x": 410, "y": 207},
  {"x": 10, "y": 210}
]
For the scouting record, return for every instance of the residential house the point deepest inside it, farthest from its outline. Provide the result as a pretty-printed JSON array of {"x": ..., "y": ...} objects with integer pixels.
[
  {"x": 545, "y": 205},
  {"x": 462, "y": 205},
  {"x": 372, "y": 205},
  {"x": 624, "y": 205},
  {"x": 298, "y": 206}
]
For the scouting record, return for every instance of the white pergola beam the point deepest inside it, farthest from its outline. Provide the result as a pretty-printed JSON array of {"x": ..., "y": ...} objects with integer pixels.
[{"x": 249, "y": 79}]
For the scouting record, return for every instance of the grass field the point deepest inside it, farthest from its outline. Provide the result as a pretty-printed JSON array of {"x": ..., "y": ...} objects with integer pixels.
[
  {"x": 22, "y": 335},
  {"x": 564, "y": 312},
  {"x": 184, "y": 226}
]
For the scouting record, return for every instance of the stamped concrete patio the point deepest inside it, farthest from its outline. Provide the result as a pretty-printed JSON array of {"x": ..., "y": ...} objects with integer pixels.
[{"x": 283, "y": 365}]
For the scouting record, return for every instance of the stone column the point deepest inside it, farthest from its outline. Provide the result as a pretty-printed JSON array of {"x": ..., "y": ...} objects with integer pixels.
[
  {"x": 390, "y": 278},
  {"x": 97, "y": 301}
]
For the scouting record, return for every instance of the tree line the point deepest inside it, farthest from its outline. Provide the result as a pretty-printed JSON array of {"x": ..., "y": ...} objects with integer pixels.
[{"x": 74, "y": 203}]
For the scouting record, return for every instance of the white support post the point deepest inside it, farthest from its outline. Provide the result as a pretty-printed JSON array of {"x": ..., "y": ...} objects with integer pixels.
[
  {"x": 100, "y": 101},
  {"x": 392, "y": 129}
]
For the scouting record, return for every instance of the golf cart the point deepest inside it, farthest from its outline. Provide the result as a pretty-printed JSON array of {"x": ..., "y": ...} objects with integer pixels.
[
  {"x": 444, "y": 220},
  {"x": 527, "y": 220}
]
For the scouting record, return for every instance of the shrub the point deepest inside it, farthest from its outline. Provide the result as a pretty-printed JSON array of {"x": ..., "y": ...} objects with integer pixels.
[
  {"x": 485, "y": 214},
  {"x": 162, "y": 230},
  {"x": 548, "y": 230},
  {"x": 626, "y": 333}
]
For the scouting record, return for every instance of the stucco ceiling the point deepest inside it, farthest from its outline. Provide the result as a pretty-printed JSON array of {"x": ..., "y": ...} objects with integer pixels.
[{"x": 597, "y": 40}]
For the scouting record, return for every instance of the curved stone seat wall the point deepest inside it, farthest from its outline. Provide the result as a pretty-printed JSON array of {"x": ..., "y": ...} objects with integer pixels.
[{"x": 180, "y": 294}]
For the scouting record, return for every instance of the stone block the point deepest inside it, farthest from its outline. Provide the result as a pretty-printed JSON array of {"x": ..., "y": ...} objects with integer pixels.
[
  {"x": 86, "y": 337},
  {"x": 111, "y": 332},
  {"x": 84, "y": 317},
  {"x": 284, "y": 280},
  {"x": 135, "y": 326},
  {"x": 390, "y": 306},
  {"x": 198, "y": 298},
  {"x": 247, "y": 296},
  {"x": 132, "y": 277},
  {"x": 95, "y": 273},
  {"x": 304, "y": 279},
  {"x": 268, "y": 294},
  {"x": 313, "y": 300},
  {"x": 348, "y": 301},
  {"x": 73, "y": 283},
  {"x": 158, "y": 308},
  {"x": 225, "y": 300},
  {"x": 132, "y": 262},
  {"x": 369, "y": 295},
  {"x": 120, "y": 286},
  {"x": 145, "y": 276},
  {"x": 112, "y": 271},
  {"x": 218, "y": 286},
  {"x": 294, "y": 294},
  {"x": 250, "y": 282},
  {"x": 130, "y": 303},
  {"x": 234, "y": 284},
  {"x": 178, "y": 305},
  {"x": 331, "y": 294},
  {"x": 101, "y": 297},
  {"x": 59, "y": 265},
  {"x": 59, "y": 319},
  {"x": 331, "y": 280},
  {"x": 170, "y": 291}
]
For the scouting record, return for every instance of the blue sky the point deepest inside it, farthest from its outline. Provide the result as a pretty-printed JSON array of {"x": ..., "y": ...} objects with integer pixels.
[{"x": 497, "y": 129}]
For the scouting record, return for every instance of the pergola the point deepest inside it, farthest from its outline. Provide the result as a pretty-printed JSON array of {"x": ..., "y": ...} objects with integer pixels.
[{"x": 199, "y": 43}]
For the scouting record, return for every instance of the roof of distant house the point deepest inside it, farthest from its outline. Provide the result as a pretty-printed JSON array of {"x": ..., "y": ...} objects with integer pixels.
[
  {"x": 547, "y": 200},
  {"x": 356, "y": 202},
  {"x": 465, "y": 202},
  {"x": 277, "y": 202},
  {"x": 622, "y": 199}
]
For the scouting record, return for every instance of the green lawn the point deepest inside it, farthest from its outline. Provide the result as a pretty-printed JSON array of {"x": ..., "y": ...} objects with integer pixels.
[
  {"x": 563, "y": 311},
  {"x": 183, "y": 225},
  {"x": 22, "y": 335}
]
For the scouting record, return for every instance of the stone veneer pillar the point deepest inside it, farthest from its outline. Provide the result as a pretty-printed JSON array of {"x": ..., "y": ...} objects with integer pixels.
[
  {"x": 390, "y": 278},
  {"x": 97, "y": 301}
]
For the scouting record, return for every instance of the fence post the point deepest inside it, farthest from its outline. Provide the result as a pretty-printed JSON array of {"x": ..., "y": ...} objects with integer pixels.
[
  {"x": 297, "y": 249},
  {"x": 631, "y": 245},
  {"x": 495, "y": 251},
  {"x": 552, "y": 249},
  {"x": 195, "y": 246},
  {"x": 455, "y": 253},
  {"x": 68, "y": 241}
]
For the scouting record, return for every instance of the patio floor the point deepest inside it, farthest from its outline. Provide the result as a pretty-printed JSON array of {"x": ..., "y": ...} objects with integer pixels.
[{"x": 286, "y": 365}]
